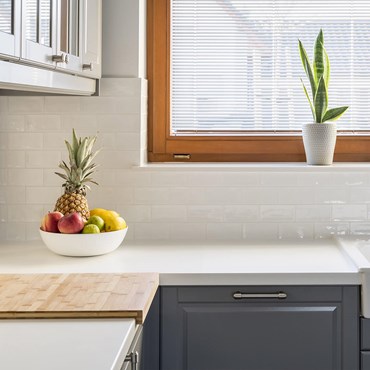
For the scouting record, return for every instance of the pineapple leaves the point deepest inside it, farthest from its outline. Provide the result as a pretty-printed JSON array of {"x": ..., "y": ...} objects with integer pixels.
[
  {"x": 80, "y": 168},
  {"x": 319, "y": 76},
  {"x": 334, "y": 114}
]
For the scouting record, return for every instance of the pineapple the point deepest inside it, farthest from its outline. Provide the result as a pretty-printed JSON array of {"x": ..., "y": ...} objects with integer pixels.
[{"x": 76, "y": 175}]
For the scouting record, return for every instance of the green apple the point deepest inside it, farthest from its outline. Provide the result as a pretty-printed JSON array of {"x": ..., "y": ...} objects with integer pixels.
[
  {"x": 90, "y": 229},
  {"x": 96, "y": 220}
]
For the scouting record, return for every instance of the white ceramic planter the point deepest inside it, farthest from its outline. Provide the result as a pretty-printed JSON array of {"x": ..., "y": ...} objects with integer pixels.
[{"x": 319, "y": 142}]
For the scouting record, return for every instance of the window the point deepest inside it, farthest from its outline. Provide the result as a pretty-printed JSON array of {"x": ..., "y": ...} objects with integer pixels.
[{"x": 224, "y": 77}]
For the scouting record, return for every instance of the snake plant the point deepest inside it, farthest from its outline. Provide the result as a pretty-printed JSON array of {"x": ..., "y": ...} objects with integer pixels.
[{"x": 318, "y": 73}]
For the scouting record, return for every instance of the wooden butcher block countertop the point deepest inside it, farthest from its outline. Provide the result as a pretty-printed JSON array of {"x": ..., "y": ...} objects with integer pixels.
[{"x": 87, "y": 295}]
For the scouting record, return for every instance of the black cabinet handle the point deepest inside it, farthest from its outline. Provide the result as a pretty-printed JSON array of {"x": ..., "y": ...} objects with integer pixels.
[{"x": 240, "y": 295}]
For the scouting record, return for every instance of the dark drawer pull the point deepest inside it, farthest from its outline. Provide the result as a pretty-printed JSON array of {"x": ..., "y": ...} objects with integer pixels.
[{"x": 240, "y": 295}]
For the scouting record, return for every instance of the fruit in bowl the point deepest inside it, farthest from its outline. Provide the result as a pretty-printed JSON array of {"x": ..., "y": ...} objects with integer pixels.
[
  {"x": 80, "y": 238},
  {"x": 71, "y": 224},
  {"x": 50, "y": 222},
  {"x": 73, "y": 230},
  {"x": 83, "y": 245}
]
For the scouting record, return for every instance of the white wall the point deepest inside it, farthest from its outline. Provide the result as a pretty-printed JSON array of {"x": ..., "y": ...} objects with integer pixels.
[
  {"x": 214, "y": 203},
  {"x": 124, "y": 37}
]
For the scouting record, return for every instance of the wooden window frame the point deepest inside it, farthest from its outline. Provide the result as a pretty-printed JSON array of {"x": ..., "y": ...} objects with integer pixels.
[{"x": 162, "y": 147}]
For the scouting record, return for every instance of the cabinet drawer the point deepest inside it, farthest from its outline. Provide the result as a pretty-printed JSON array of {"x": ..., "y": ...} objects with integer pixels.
[
  {"x": 365, "y": 360},
  {"x": 213, "y": 294},
  {"x": 365, "y": 334}
]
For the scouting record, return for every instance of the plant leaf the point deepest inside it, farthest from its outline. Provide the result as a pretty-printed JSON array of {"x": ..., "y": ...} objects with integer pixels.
[
  {"x": 321, "y": 100},
  {"x": 309, "y": 100},
  {"x": 326, "y": 69},
  {"x": 334, "y": 113},
  {"x": 307, "y": 68},
  {"x": 318, "y": 58}
]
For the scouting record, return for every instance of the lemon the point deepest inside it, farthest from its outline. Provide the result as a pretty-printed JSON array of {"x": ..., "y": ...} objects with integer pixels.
[
  {"x": 114, "y": 223},
  {"x": 98, "y": 212},
  {"x": 114, "y": 213}
]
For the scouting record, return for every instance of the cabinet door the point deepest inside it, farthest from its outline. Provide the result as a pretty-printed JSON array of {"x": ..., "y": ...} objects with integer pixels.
[
  {"x": 69, "y": 36},
  {"x": 39, "y": 23},
  {"x": 91, "y": 11},
  {"x": 217, "y": 334},
  {"x": 10, "y": 28}
]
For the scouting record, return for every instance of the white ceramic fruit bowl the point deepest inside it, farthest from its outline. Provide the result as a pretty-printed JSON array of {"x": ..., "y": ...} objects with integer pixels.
[{"x": 83, "y": 245}]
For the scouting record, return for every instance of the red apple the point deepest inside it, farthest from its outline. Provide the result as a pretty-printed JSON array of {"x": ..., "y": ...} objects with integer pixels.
[
  {"x": 50, "y": 222},
  {"x": 71, "y": 224}
]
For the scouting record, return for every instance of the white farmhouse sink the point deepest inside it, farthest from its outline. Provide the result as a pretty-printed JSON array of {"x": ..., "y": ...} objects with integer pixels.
[{"x": 359, "y": 252}]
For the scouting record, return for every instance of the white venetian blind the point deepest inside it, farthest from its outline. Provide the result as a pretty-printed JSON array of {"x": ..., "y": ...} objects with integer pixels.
[{"x": 235, "y": 64}]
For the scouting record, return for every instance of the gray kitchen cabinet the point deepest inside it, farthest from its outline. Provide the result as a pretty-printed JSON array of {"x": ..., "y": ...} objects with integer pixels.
[{"x": 276, "y": 327}]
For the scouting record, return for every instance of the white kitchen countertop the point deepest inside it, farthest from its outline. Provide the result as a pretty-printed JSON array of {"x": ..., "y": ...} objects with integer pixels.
[
  {"x": 317, "y": 262},
  {"x": 62, "y": 344}
]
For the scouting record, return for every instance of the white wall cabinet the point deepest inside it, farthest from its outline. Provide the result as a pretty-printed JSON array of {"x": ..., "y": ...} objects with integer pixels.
[
  {"x": 59, "y": 35},
  {"x": 10, "y": 28}
]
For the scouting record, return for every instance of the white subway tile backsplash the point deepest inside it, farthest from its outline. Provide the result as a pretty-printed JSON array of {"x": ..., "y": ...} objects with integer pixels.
[
  {"x": 360, "y": 229},
  {"x": 111, "y": 105},
  {"x": 151, "y": 196},
  {"x": 168, "y": 179},
  {"x": 224, "y": 231},
  {"x": 205, "y": 213},
  {"x": 131, "y": 178},
  {"x": 25, "y": 141},
  {"x": 359, "y": 195},
  {"x": 161, "y": 204},
  {"x": 324, "y": 230},
  {"x": 134, "y": 213},
  {"x": 12, "y": 123},
  {"x": 260, "y": 195},
  {"x": 26, "y": 104},
  {"x": 13, "y": 195},
  {"x": 279, "y": 179},
  {"x": 168, "y": 213},
  {"x": 25, "y": 213},
  {"x": 262, "y": 231},
  {"x": 3, "y": 104},
  {"x": 86, "y": 123},
  {"x": 313, "y": 213},
  {"x": 45, "y": 159},
  {"x": 296, "y": 231},
  {"x": 188, "y": 231},
  {"x": 243, "y": 213},
  {"x": 152, "y": 231},
  {"x": 28, "y": 177},
  {"x": 12, "y": 159},
  {"x": 37, "y": 123},
  {"x": 126, "y": 141},
  {"x": 118, "y": 123},
  {"x": 298, "y": 195},
  {"x": 42, "y": 195},
  {"x": 349, "y": 212},
  {"x": 277, "y": 213},
  {"x": 62, "y": 104},
  {"x": 338, "y": 195}
]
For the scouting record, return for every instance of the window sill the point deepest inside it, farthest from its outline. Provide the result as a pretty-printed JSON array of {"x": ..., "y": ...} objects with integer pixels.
[{"x": 255, "y": 167}]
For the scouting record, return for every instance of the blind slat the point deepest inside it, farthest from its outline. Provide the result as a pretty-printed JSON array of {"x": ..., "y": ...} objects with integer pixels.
[{"x": 235, "y": 64}]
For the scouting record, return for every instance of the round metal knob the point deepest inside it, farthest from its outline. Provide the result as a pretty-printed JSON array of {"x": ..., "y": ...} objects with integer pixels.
[
  {"x": 89, "y": 66},
  {"x": 62, "y": 58}
]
